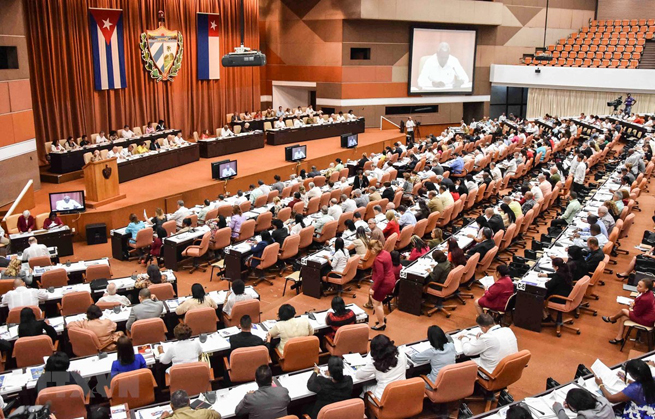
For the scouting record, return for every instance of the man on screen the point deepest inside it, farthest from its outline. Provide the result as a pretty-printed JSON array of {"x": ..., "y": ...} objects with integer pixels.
[
  {"x": 442, "y": 70},
  {"x": 298, "y": 154},
  {"x": 228, "y": 171},
  {"x": 67, "y": 204}
]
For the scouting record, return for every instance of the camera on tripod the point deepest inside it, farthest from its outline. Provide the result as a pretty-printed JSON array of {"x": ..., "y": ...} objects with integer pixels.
[{"x": 616, "y": 103}]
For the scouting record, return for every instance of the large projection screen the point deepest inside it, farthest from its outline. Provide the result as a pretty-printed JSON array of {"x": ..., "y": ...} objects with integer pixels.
[{"x": 442, "y": 61}]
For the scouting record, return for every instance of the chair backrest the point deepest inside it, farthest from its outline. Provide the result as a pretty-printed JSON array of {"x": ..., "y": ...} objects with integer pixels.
[
  {"x": 163, "y": 292},
  {"x": 577, "y": 294},
  {"x": 390, "y": 242},
  {"x": 507, "y": 237},
  {"x": 269, "y": 256},
  {"x": 144, "y": 238},
  {"x": 454, "y": 278},
  {"x": 405, "y": 237},
  {"x": 471, "y": 264},
  {"x": 627, "y": 225},
  {"x": 419, "y": 227},
  {"x": 65, "y": 401},
  {"x": 341, "y": 225},
  {"x": 455, "y": 382},
  {"x": 346, "y": 409},
  {"x": 106, "y": 305},
  {"x": 240, "y": 309},
  {"x": 289, "y": 247},
  {"x": 12, "y": 224},
  {"x": 487, "y": 259},
  {"x": 509, "y": 370},
  {"x": 31, "y": 350},
  {"x": 403, "y": 398},
  {"x": 350, "y": 339},
  {"x": 14, "y": 314},
  {"x": 284, "y": 214},
  {"x": 201, "y": 320},
  {"x": 260, "y": 201},
  {"x": 313, "y": 205},
  {"x": 148, "y": 331},
  {"x": 39, "y": 261},
  {"x": 247, "y": 230},
  {"x": 192, "y": 377},
  {"x": 222, "y": 239},
  {"x": 498, "y": 237},
  {"x": 54, "y": 278},
  {"x": 306, "y": 237},
  {"x": 328, "y": 232},
  {"x": 134, "y": 388},
  {"x": 263, "y": 221},
  {"x": 225, "y": 210},
  {"x": 75, "y": 303},
  {"x": 300, "y": 353},
  {"x": 98, "y": 271},
  {"x": 83, "y": 341},
  {"x": 245, "y": 361},
  {"x": 245, "y": 206},
  {"x": 170, "y": 227},
  {"x": 211, "y": 214}
]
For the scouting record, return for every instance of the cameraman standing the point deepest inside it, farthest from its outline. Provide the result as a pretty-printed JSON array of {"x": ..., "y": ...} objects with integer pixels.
[{"x": 629, "y": 103}]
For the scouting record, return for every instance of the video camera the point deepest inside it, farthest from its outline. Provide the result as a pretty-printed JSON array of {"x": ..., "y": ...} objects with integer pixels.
[
  {"x": 615, "y": 103},
  {"x": 31, "y": 412}
]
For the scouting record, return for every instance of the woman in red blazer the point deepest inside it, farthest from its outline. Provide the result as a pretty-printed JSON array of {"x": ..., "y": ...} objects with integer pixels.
[
  {"x": 495, "y": 298},
  {"x": 392, "y": 225},
  {"x": 642, "y": 310},
  {"x": 384, "y": 281},
  {"x": 26, "y": 222}
]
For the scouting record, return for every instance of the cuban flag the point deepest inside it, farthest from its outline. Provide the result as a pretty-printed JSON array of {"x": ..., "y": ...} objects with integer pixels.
[
  {"x": 106, "y": 28},
  {"x": 209, "y": 57}
]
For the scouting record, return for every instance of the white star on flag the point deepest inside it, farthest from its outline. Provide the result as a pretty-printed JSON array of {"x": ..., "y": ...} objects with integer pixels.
[
  {"x": 213, "y": 25},
  {"x": 106, "y": 24}
]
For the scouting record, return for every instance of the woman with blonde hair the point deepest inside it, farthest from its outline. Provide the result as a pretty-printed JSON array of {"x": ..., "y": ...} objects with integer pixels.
[
  {"x": 392, "y": 225},
  {"x": 437, "y": 238},
  {"x": 612, "y": 209},
  {"x": 13, "y": 269},
  {"x": 158, "y": 220}
]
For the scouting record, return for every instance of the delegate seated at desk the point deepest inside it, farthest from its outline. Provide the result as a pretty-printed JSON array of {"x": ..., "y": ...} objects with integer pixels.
[
  {"x": 385, "y": 363},
  {"x": 110, "y": 296},
  {"x": 245, "y": 338},
  {"x": 34, "y": 250},
  {"x": 26, "y": 222},
  {"x": 30, "y": 326},
  {"x": 55, "y": 374},
  {"x": 334, "y": 388},
  {"x": 134, "y": 227},
  {"x": 267, "y": 402},
  {"x": 441, "y": 353},
  {"x": 184, "y": 350},
  {"x": 21, "y": 296},
  {"x": 104, "y": 329},
  {"x": 148, "y": 308},
  {"x": 181, "y": 406},
  {"x": 198, "y": 299},
  {"x": 238, "y": 293},
  {"x": 52, "y": 221},
  {"x": 180, "y": 214},
  {"x": 288, "y": 326},
  {"x": 126, "y": 359},
  {"x": 492, "y": 344}
]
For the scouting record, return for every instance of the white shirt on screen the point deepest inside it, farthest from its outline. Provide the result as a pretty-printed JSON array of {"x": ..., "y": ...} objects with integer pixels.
[
  {"x": 228, "y": 171},
  {"x": 298, "y": 154},
  {"x": 62, "y": 205},
  {"x": 433, "y": 72}
]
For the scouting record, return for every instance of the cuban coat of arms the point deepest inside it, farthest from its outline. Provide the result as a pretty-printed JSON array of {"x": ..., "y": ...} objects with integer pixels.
[{"x": 161, "y": 50}]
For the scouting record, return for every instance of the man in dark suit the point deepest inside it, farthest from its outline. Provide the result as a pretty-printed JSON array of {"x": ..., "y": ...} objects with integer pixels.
[
  {"x": 595, "y": 255},
  {"x": 279, "y": 233},
  {"x": 388, "y": 192},
  {"x": 362, "y": 161},
  {"x": 245, "y": 339},
  {"x": 267, "y": 402},
  {"x": 495, "y": 221},
  {"x": 314, "y": 172},
  {"x": 361, "y": 182},
  {"x": 483, "y": 247}
]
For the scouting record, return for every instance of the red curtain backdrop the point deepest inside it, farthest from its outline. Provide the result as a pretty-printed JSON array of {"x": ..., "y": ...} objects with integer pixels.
[{"x": 61, "y": 69}]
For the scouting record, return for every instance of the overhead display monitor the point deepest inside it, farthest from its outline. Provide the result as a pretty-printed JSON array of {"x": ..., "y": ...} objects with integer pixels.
[
  {"x": 295, "y": 153},
  {"x": 442, "y": 61},
  {"x": 349, "y": 140},
  {"x": 225, "y": 169}
]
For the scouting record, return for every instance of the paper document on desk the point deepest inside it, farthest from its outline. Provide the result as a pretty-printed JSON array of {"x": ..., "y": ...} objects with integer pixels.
[
  {"x": 417, "y": 349},
  {"x": 354, "y": 360},
  {"x": 471, "y": 333},
  {"x": 227, "y": 400},
  {"x": 154, "y": 412},
  {"x": 624, "y": 300},
  {"x": 296, "y": 384},
  {"x": 539, "y": 407},
  {"x": 613, "y": 383},
  {"x": 229, "y": 331},
  {"x": 356, "y": 309},
  {"x": 487, "y": 281}
]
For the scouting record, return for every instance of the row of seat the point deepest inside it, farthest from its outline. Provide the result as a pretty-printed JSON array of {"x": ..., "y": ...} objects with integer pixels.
[{"x": 625, "y": 22}]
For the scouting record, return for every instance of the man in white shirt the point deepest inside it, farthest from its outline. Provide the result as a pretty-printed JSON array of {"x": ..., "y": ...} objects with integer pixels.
[
  {"x": 536, "y": 191},
  {"x": 335, "y": 210},
  {"x": 101, "y": 139},
  {"x": 22, "y": 296},
  {"x": 297, "y": 123},
  {"x": 179, "y": 139},
  {"x": 341, "y": 118},
  {"x": 348, "y": 204},
  {"x": 110, "y": 296},
  {"x": 57, "y": 148},
  {"x": 254, "y": 194},
  {"x": 442, "y": 70},
  {"x": 264, "y": 187},
  {"x": 325, "y": 218},
  {"x": 579, "y": 170},
  {"x": 279, "y": 124},
  {"x": 496, "y": 174},
  {"x": 298, "y": 111},
  {"x": 544, "y": 185},
  {"x": 114, "y": 152},
  {"x": 492, "y": 344},
  {"x": 181, "y": 213},
  {"x": 67, "y": 204},
  {"x": 35, "y": 249},
  {"x": 127, "y": 132},
  {"x": 351, "y": 116},
  {"x": 313, "y": 191},
  {"x": 409, "y": 127},
  {"x": 226, "y": 131}
]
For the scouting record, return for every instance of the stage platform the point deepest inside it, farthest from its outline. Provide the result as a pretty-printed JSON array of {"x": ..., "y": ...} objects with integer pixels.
[{"x": 193, "y": 183}]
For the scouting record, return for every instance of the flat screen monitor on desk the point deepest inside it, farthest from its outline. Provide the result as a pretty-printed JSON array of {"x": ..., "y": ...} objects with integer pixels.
[
  {"x": 225, "y": 169},
  {"x": 349, "y": 140},
  {"x": 295, "y": 153},
  {"x": 67, "y": 202}
]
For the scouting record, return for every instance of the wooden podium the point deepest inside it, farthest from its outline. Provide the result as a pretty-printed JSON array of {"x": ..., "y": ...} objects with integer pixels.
[{"x": 101, "y": 182}]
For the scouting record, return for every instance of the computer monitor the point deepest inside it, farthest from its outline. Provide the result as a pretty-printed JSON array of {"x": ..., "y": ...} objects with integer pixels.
[
  {"x": 349, "y": 140},
  {"x": 225, "y": 169},
  {"x": 295, "y": 152},
  {"x": 67, "y": 202}
]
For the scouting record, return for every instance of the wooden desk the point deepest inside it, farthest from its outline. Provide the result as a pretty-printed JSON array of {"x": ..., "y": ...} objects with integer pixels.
[
  {"x": 528, "y": 311},
  {"x": 163, "y": 160},
  {"x": 214, "y": 147},
  {"x": 61, "y": 238},
  {"x": 314, "y": 132}
]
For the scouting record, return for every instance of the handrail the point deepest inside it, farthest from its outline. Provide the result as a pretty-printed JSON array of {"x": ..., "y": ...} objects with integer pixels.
[
  {"x": 383, "y": 120},
  {"x": 17, "y": 201}
]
